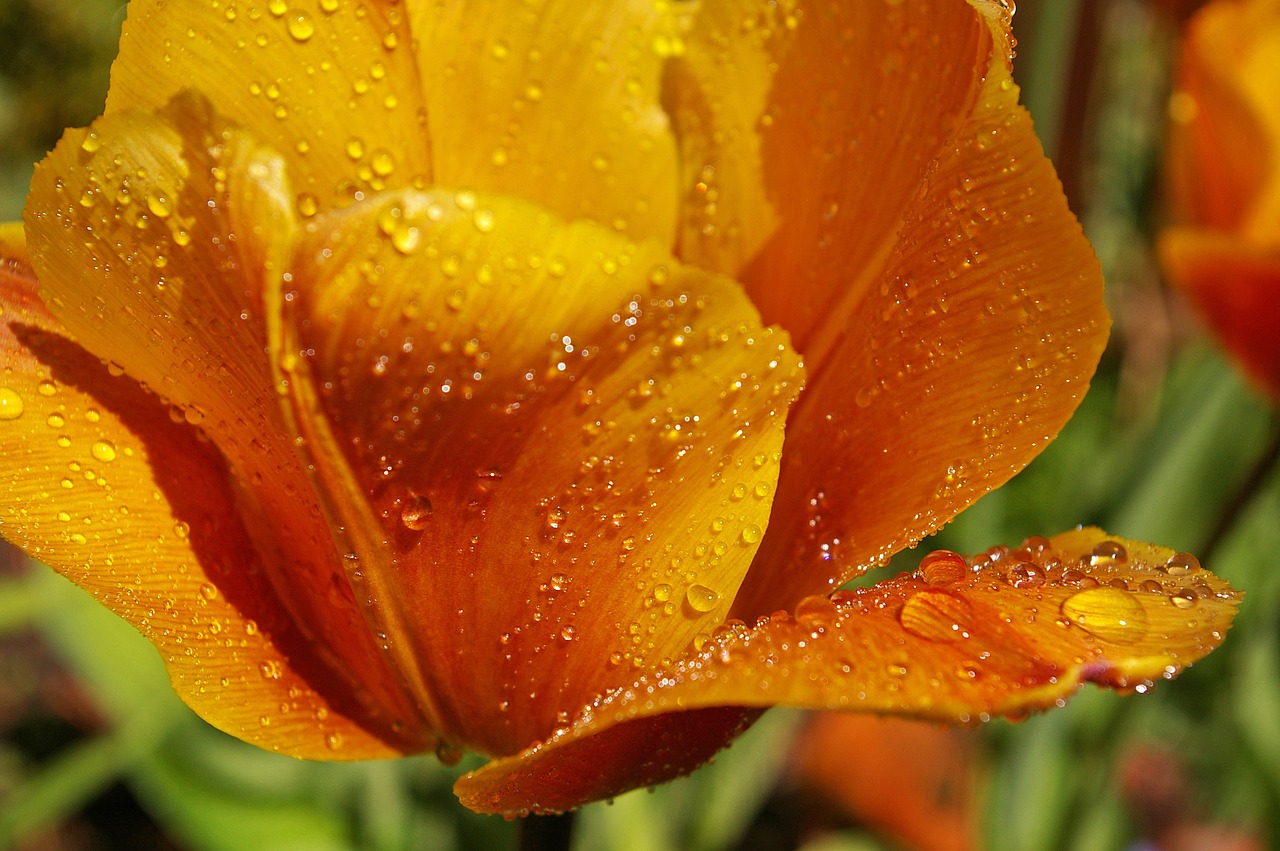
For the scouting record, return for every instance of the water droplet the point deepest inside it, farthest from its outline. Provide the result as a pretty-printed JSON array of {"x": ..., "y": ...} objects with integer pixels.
[
  {"x": 308, "y": 205},
  {"x": 416, "y": 514},
  {"x": 817, "y": 613},
  {"x": 1184, "y": 598},
  {"x": 662, "y": 592},
  {"x": 1109, "y": 613},
  {"x": 943, "y": 567},
  {"x": 701, "y": 598},
  {"x": 355, "y": 148},
  {"x": 301, "y": 27},
  {"x": 47, "y": 388},
  {"x": 751, "y": 534},
  {"x": 484, "y": 220},
  {"x": 10, "y": 404},
  {"x": 1108, "y": 552},
  {"x": 936, "y": 615},
  {"x": 567, "y": 633},
  {"x": 1182, "y": 563},
  {"x": 382, "y": 162},
  {"x": 103, "y": 450},
  {"x": 333, "y": 741},
  {"x": 91, "y": 142},
  {"x": 55, "y": 420}
]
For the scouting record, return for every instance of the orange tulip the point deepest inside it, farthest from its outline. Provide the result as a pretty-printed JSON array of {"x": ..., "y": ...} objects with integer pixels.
[
  {"x": 1224, "y": 176},
  {"x": 415, "y": 376}
]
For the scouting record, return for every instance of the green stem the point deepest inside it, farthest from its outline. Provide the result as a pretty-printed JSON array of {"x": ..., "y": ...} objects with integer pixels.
[{"x": 546, "y": 833}]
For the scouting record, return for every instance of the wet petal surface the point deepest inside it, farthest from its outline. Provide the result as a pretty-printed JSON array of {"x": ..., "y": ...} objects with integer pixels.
[
  {"x": 553, "y": 450},
  {"x": 99, "y": 479},
  {"x": 969, "y": 354},
  {"x": 953, "y": 641}
]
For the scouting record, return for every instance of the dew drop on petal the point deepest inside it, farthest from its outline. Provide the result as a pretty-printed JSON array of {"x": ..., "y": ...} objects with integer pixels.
[
  {"x": 701, "y": 598},
  {"x": 301, "y": 27},
  {"x": 1109, "y": 613},
  {"x": 10, "y": 404},
  {"x": 936, "y": 615},
  {"x": 1108, "y": 552},
  {"x": 416, "y": 514},
  {"x": 1182, "y": 563},
  {"x": 103, "y": 450},
  {"x": 943, "y": 567}
]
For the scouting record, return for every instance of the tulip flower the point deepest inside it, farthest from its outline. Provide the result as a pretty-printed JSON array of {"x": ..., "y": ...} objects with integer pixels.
[
  {"x": 528, "y": 379},
  {"x": 1223, "y": 249}
]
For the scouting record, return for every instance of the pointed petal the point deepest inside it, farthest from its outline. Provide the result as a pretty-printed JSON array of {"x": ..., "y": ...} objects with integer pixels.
[
  {"x": 1235, "y": 284},
  {"x": 152, "y": 235},
  {"x": 968, "y": 356},
  {"x": 556, "y": 102},
  {"x": 334, "y": 89},
  {"x": 949, "y": 642},
  {"x": 554, "y": 450},
  {"x": 98, "y": 485},
  {"x": 805, "y": 133}
]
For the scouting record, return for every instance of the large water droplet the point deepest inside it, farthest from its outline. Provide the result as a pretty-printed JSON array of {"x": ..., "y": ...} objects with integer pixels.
[
  {"x": 1109, "y": 613},
  {"x": 943, "y": 567},
  {"x": 701, "y": 598},
  {"x": 416, "y": 514},
  {"x": 103, "y": 450},
  {"x": 936, "y": 615},
  {"x": 10, "y": 404}
]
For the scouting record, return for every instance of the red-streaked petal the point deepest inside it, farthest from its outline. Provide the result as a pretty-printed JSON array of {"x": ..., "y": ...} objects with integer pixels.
[
  {"x": 152, "y": 235},
  {"x": 1235, "y": 284},
  {"x": 970, "y": 353},
  {"x": 557, "y": 104},
  {"x": 553, "y": 450},
  {"x": 949, "y": 642},
  {"x": 333, "y": 88},
  {"x": 103, "y": 486}
]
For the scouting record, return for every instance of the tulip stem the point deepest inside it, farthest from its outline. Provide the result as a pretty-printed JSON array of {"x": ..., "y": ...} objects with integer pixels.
[{"x": 546, "y": 833}]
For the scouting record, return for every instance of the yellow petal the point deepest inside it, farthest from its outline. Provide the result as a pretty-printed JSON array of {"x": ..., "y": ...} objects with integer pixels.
[
  {"x": 553, "y": 450},
  {"x": 152, "y": 235},
  {"x": 555, "y": 102},
  {"x": 332, "y": 86},
  {"x": 966, "y": 358},
  {"x": 103, "y": 486},
  {"x": 952, "y": 642}
]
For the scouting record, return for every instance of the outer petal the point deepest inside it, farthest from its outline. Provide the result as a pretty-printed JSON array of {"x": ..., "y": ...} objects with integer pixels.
[
  {"x": 555, "y": 101},
  {"x": 553, "y": 450},
  {"x": 332, "y": 86},
  {"x": 152, "y": 236},
  {"x": 820, "y": 119},
  {"x": 98, "y": 484},
  {"x": 1235, "y": 284},
  {"x": 968, "y": 356},
  {"x": 951, "y": 642}
]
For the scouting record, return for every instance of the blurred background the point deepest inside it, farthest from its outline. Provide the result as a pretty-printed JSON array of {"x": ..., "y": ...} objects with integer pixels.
[{"x": 1171, "y": 445}]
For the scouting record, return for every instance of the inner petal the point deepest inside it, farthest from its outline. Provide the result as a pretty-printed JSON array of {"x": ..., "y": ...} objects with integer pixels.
[{"x": 553, "y": 450}]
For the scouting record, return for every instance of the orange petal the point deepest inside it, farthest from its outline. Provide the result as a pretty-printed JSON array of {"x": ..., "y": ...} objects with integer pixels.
[
  {"x": 558, "y": 104},
  {"x": 333, "y": 88},
  {"x": 1235, "y": 284},
  {"x": 824, "y": 119},
  {"x": 553, "y": 450},
  {"x": 969, "y": 355},
  {"x": 152, "y": 235},
  {"x": 98, "y": 484},
  {"x": 1224, "y": 153},
  {"x": 912, "y": 781},
  {"x": 949, "y": 642}
]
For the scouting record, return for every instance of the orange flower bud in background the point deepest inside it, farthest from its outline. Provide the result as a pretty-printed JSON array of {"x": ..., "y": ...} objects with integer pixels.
[{"x": 1223, "y": 168}]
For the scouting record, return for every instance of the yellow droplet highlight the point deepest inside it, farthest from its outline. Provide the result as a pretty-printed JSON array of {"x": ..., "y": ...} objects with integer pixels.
[
  {"x": 10, "y": 404},
  {"x": 416, "y": 514},
  {"x": 701, "y": 598},
  {"x": 103, "y": 450},
  {"x": 301, "y": 27},
  {"x": 752, "y": 534},
  {"x": 1109, "y": 613},
  {"x": 159, "y": 205}
]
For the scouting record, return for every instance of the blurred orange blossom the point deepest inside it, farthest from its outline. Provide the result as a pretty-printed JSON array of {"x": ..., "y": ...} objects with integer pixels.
[
  {"x": 415, "y": 377},
  {"x": 1223, "y": 249}
]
